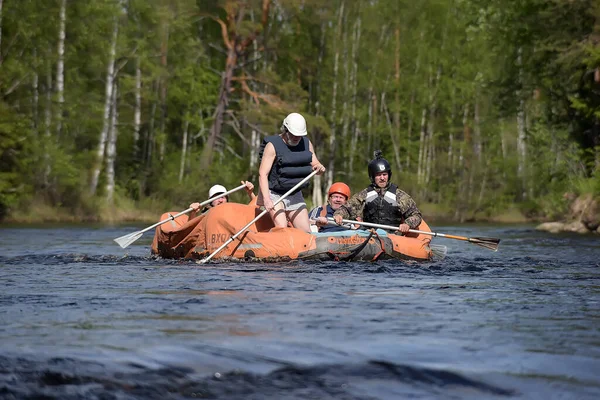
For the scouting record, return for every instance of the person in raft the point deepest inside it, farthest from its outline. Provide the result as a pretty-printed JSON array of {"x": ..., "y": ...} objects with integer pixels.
[
  {"x": 217, "y": 190},
  {"x": 337, "y": 196},
  {"x": 286, "y": 159},
  {"x": 382, "y": 202}
]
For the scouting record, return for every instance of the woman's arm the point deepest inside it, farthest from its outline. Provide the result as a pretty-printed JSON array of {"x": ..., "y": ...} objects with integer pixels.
[{"x": 266, "y": 164}]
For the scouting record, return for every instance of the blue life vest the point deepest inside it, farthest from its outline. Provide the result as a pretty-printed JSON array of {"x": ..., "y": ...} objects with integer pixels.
[
  {"x": 384, "y": 209},
  {"x": 319, "y": 212},
  {"x": 291, "y": 164}
]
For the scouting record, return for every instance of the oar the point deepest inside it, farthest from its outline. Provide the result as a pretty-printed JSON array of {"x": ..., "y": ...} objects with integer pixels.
[
  {"x": 126, "y": 240},
  {"x": 231, "y": 239},
  {"x": 488, "y": 243}
]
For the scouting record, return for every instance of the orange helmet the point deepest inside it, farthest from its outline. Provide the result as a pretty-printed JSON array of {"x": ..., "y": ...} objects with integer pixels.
[{"x": 341, "y": 188}]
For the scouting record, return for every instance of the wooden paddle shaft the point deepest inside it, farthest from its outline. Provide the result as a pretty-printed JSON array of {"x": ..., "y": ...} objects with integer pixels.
[
  {"x": 395, "y": 228},
  {"x": 172, "y": 217}
]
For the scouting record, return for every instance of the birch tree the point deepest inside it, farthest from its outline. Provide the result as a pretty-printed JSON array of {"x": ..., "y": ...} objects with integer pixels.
[
  {"x": 137, "y": 113},
  {"x": 60, "y": 67},
  {"x": 333, "y": 122},
  {"x": 184, "y": 143},
  {"x": 108, "y": 95},
  {"x": 111, "y": 146}
]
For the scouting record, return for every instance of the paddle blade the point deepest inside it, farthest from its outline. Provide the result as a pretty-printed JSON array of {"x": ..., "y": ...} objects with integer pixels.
[
  {"x": 126, "y": 240},
  {"x": 438, "y": 251},
  {"x": 488, "y": 243}
]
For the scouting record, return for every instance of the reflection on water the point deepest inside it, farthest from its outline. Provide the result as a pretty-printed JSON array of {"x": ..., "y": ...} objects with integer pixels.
[{"x": 82, "y": 318}]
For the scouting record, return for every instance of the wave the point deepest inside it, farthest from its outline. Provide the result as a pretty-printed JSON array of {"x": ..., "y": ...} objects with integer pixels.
[{"x": 56, "y": 378}]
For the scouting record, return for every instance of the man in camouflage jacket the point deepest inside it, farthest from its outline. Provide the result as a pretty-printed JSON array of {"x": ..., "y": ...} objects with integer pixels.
[{"x": 382, "y": 202}]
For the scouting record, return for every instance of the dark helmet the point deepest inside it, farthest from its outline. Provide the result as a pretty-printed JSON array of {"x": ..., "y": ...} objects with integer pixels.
[{"x": 379, "y": 164}]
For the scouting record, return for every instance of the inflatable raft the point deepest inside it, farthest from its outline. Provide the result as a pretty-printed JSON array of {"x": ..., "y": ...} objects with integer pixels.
[{"x": 201, "y": 236}]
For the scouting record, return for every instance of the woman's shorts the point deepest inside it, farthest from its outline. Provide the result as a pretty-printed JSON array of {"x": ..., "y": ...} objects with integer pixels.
[{"x": 292, "y": 202}]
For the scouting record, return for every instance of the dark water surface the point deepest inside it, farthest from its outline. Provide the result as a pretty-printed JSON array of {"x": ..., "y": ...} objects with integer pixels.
[{"x": 80, "y": 318}]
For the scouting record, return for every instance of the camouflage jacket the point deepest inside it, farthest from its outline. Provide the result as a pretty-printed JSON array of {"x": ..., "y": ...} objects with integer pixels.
[{"x": 408, "y": 208}]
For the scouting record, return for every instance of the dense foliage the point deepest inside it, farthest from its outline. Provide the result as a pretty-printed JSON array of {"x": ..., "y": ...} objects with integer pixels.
[{"x": 480, "y": 105}]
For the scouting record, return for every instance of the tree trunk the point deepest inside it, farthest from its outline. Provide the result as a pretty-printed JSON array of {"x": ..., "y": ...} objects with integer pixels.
[
  {"x": 430, "y": 159},
  {"x": 521, "y": 145},
  {"x": 36, "y": 92},
  {"x": 392, "y": 135},
  {"x": 476, "y": 130},
  {"x": 422, "y": 137},
  {"x": 48, "y": 111},
  {"x": 409, "y": 129},
  {"x": 355, "y": 131},
  {"x": 163, "y": 91},
  {"x": 468, "y": 162},
  {"x": 254, "y": 134},
  {"x": 382, "y": 113},
  {"x": 346, "y": 91},
  {"x": 150, "y": 134},
  {"x": 111, "y": 147},
  {"x": 371, "y": 98},
  {"x": 110, "y": 72},
  {"x": 137, "y": 113},
  {"x": 450, "y": 158},
  {"x": 459, "y": 207},
  {"x": 483, "y": 185},
  {"x": 48, "y": 123},
  {"x": 430, "y": 144},
  {"x": 222, "y": 105},
  {"x": 1, "y": 1},
  {"x": 60, "y": 68},
  {"x": 503, "y": 145},
  {"x": 411, "y": 116},
  {"x": 396, "y": 130},
  {"x": 318, "y": 197},
  {"x": 186, "y": 125},
  {"x": 317, "y": 192},
  {"x": 450, "y": 154},
  {"x": 597, "y": 141},
  {"x": 235, "y": 45},
  {"x": 332, "y": 138},
  {"x": 254, "y": 146},
  {"x": 319, "y": 72}
]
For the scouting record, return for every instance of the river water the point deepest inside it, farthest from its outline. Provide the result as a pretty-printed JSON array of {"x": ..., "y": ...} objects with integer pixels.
[{"x": 81, "y": 318}]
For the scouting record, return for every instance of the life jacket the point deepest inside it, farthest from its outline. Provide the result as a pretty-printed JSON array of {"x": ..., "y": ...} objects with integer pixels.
[
  {"x": 327, "y": 212},
  {"x": 384, "y": 209},
  {"x": 291, "y": 164}
]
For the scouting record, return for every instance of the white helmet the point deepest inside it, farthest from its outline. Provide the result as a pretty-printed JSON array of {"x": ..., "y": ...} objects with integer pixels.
[
  {"x": 215, "y": 190},
  {"x": 295, "y": 124}
]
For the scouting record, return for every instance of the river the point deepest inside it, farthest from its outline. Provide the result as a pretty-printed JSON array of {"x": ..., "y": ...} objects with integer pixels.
[{"x": 81, "y": 318}]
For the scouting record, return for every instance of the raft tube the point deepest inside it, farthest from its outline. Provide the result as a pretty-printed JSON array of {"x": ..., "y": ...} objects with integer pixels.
[{"x": 201, "y": 236}]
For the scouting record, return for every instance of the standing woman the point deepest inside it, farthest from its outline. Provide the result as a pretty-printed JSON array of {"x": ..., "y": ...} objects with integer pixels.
[{"x": 286, "y": 159}]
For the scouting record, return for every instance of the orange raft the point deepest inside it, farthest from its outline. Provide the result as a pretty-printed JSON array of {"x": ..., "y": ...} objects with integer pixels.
[{"x": 201, "y": 236}]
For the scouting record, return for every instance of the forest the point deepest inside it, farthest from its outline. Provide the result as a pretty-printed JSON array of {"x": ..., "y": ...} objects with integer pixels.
[{"x": 114, "y": 110}]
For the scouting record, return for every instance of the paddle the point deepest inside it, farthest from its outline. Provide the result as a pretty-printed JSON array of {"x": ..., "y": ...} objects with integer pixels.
[
  {"x": 231, "y": 239},
  {"x": 126, "y": 240},
  {"x": 488, "y": 243}
]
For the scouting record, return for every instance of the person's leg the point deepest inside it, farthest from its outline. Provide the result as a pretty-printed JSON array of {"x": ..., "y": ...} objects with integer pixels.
[
  {"x": 299, "y": 219},
  {"x": 279, "y": 216},
  {"x": 297, "y": 213}
]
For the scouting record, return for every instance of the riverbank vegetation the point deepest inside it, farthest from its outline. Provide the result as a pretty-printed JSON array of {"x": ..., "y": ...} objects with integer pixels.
[{"x": 122, "y": 109}]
